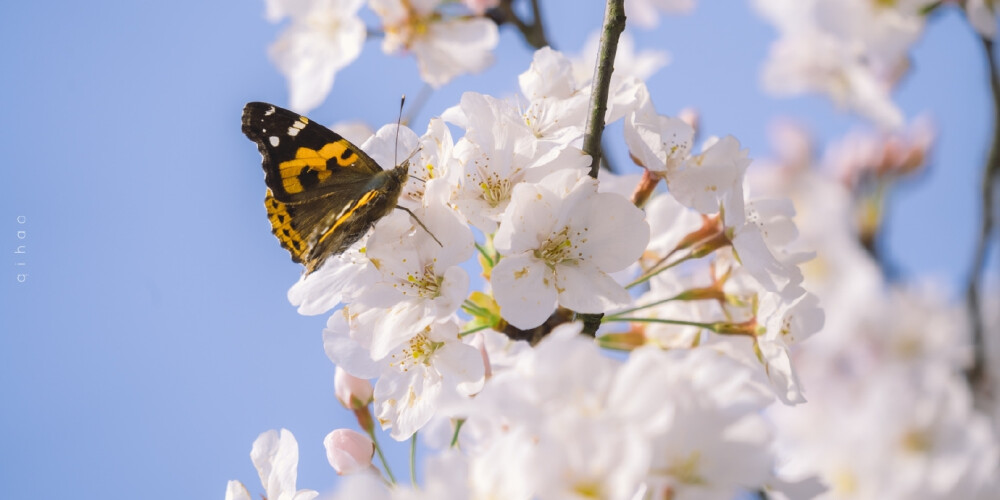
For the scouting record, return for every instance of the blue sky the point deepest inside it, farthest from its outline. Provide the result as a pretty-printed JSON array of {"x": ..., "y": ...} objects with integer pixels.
[{"x": 152, "y": 341}]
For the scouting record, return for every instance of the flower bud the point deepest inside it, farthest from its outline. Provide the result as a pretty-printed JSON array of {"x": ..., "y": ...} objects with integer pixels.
[
  {"x": 349, "y": 451},
  {"x": 352, "y": 392},
  {"x": 479, "y": 7}
]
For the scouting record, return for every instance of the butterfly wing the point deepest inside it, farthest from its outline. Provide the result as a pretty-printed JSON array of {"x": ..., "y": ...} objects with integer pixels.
[
  {"x": 304, "y": 160},
  {"x": 324, "y": 193}
]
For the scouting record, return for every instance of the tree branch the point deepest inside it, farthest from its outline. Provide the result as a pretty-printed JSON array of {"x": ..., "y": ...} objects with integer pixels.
[
  {"x": 534, "y": 33},
  {"x": 978, "y": 374},
  {"x": 614, "y": 24}
]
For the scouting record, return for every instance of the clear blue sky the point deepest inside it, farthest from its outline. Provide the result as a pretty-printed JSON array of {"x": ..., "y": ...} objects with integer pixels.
[{"x": 153, "y": 341}]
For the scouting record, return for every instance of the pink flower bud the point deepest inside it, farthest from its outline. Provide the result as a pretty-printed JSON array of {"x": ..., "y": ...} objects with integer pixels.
[
  {"x": 481, "y": 6},
  {"x": 349, "y": 451},
  {"x": 352, "y": 392}
]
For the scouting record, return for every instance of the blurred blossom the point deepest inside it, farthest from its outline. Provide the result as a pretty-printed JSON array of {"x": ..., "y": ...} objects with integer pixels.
[
  {"x": 885, "y": 374},
  {"x": 445, "y": 46},
  {"x": 983, "y": 16},
  {"x": 324, "y": 37},
  {"x": 479, "y": 7},
  {"x": 854, "y": 51},
  {"x": 869, "y": 162},
  {"x": 645, "y": 13},
  {"x": 349, "y": 451},
  {"x": 864, "y": 155}
]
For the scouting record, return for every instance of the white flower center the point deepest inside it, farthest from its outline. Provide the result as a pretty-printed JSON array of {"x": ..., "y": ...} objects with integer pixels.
[
  {"x": 496, "y": 191},
  {"x": 557, "y": 249},
  {"x": 417, "y": 352},
  {"x": 427, "y": 285}
]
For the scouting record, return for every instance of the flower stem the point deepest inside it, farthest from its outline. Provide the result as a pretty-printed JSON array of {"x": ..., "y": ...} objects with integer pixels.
[
  {"x": 978, "y": 373},
  {"x": 458, "y": 427},
  {"x": 485, "y": 253},
  {"x": 648, "y": 275},
  {"x": 473, "y": 330},
  {"x": 639, "y": 308},
  {"x": 413, "y": 460},
  {"x": 381, "y": 456},
  {"x": 708, "y": 326},
  {"x": 614, "y": 24}
]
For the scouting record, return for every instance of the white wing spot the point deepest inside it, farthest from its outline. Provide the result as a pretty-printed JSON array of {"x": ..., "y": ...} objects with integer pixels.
[
  {"x": 274, "y": 141},
  {"x": 292, "y": 131},
  {"x": 299, "y": 125},
  {"x": 269, "y": 112}
]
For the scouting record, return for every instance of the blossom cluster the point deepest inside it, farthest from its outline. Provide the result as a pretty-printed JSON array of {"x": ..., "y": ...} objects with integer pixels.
[
  {"x": 325, "y": 36},
  {"x": 888, "y": 374},
  {"x": 853, "y": 51},
  {"x": 473, "y": 313},
  {"x": 714, "y": 277}
]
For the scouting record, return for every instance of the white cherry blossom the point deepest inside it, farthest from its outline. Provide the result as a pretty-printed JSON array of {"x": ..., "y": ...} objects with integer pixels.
[
  {"x": 445, "y": 46},
  {"x": 498, "y": 152},
  {"x": 559, "y": 245},
  {"x": 433, "y": 366},
  {"x": 276, "y": 457},
  {"x": 325, "y": 36},
  {"x": 421, "y": 280}
]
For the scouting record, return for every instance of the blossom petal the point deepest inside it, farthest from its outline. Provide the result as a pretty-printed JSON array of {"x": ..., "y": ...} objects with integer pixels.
[
  {"x": 528, "y": 221},
  {"x": 586, "y": 289},
  {"x": 524, "y": 288},
  {"x": 461, "y": 364},
  {"x": 236, "y": 491},
  {"x": 310, "y": 57},
  {"x": 345, "y": 351},
  {"x": 276, "y": 458},
  {"x": 616, "y": 231}
]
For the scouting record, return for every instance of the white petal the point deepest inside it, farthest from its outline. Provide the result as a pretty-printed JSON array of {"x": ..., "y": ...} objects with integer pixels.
[
  {"x": 658, "y": 142},
  {"x": 550, "y": 75},
  {"x": 462, "y": 365},
  {"x": 586, "y": 289},
  {"x": 614, "y": 233},
  {"x": 528, "y": 221},
  {"x": 396, "y": 326},
  {"x": 336, "y": 281},
  {"x": 780, "y": 373},
  {"x": 310, "y": 57},
  {"x": 276, "y": 458},
  {"x": 236, "y": 491},
  {"x": 454, "y": 47},
  {"x": 760, "y": 263},
  {"x": 524, "y": 288},
  {"x": 345, "y": 351},
  {"x": 405, "y": 401},
  {"x": 703, "y": 181}
]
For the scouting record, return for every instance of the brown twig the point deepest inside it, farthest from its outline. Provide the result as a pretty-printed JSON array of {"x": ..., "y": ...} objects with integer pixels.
[
  {"x": 533, "y": 33},
  {"x": 978, "y": 374}
]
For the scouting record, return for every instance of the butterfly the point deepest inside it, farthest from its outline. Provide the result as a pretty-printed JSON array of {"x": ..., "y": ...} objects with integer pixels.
[{"x": 323, "y": 192}]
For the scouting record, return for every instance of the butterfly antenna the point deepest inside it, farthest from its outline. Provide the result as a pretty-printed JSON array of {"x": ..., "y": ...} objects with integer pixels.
[{"x": 399, "y": 123}]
